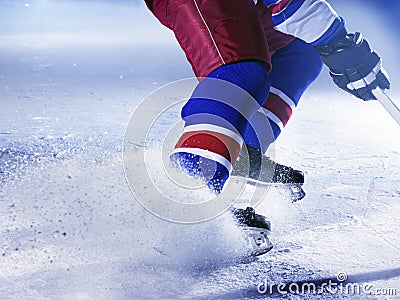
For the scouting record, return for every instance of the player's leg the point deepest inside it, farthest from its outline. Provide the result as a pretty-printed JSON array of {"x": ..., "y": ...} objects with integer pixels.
[
  {"x": 216, "y": 118},
  {"x": 224, "y": 42},
  {"x": 295, "y": 67}
]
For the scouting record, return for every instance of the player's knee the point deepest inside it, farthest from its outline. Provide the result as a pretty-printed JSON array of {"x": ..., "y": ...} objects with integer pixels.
[
  {"x": 251, "y": 76},
  {"x": 237, "y": 94}
]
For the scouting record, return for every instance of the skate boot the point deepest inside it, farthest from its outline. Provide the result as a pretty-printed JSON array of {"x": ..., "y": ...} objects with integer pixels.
[
  {"x": 256, "y": 227},
  {"x": 262, "y": 169}
]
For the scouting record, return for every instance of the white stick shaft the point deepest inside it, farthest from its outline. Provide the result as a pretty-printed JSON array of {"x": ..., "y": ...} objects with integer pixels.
[{"x": 388, "y": 104}]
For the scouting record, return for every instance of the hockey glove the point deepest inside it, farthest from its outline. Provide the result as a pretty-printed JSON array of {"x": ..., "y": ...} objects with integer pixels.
[{"x": 353, "y": 66}]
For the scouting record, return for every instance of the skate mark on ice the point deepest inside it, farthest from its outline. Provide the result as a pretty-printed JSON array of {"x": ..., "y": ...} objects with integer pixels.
[{"x": 365, "y": 223}]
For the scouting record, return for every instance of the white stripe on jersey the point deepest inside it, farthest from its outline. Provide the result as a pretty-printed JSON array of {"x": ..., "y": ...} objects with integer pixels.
[{"x": 310, "y": 21}]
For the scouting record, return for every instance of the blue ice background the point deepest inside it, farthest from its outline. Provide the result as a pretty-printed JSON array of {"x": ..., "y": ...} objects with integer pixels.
[{"x": 130, "y": 21}]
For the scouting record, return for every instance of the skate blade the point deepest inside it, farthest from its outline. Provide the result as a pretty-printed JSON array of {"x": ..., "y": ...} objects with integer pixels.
[
  {"x": 258, "y": 238},
  {"x": 295, "y": 189}
]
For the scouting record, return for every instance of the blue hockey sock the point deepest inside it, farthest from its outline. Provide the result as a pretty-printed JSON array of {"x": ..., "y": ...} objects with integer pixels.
[
  {"x": 295, "y": 67},
  {"x": 216, "y": 117}
]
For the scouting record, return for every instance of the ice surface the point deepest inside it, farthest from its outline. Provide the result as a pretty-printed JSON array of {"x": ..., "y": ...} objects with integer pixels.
[{"x": 71, "y": 229}]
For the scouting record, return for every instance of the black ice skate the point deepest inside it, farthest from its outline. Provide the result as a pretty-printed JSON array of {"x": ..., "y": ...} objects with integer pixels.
[
  {"x": 262, "y": 169},
  {"x": 257, "y": 229}
]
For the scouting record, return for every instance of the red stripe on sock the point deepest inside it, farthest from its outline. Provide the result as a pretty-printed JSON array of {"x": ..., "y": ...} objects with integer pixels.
[
  {"x": 211, "y": 141},
  {"x": 278, "y": 107}
]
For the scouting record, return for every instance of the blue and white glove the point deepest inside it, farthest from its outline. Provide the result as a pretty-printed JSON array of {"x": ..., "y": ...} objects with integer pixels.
[{"x": 353, "y": 66}]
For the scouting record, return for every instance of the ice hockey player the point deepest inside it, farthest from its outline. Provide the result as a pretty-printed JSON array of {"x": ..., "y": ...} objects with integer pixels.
[{"x": 254, "y": 61}]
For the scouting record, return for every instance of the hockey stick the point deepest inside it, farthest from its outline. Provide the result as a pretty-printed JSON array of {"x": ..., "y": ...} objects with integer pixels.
[{"x": 388, "y": 104}]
